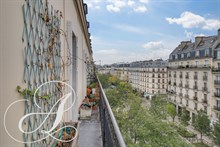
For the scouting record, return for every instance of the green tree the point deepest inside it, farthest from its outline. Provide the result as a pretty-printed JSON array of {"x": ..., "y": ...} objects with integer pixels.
[
  {"x": 202, "y": 123},
  {"x": 158, "y": 106},
  {"x": 216, "y": 133},
  {"x": 104, "y": 80},
  {"x": 184, "y": 117},
  {"x": 171, "y": 110}
]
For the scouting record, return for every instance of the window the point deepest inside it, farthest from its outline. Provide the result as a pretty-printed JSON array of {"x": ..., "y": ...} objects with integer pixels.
[
  {"x": 182, "y": 55},
  {"x": 205, "y": 97},
  {"x": 205, "y": 85},
  {"x": 158, "y": 80},
  {"x": 218, "y": 54},
  {"x": 197, "y": 53},
  {"x": 195, "y": 106},
  {"x": 188, "y": 55},
  {"x": 176, "y": 56},
  {"x": 206, "y": 63},
  {"x": 207, "y": 52},
  {"x": 196, "y": 63}
]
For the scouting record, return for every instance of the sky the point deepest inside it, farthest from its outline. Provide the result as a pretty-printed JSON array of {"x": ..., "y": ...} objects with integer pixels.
[{"x": 136, "y": 30}]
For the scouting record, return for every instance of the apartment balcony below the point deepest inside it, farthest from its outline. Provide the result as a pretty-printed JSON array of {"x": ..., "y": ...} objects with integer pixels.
[{"x": 102, "y": 129}]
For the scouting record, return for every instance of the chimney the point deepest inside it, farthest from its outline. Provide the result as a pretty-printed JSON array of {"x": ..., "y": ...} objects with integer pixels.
[{"x": 198, "y": 39}]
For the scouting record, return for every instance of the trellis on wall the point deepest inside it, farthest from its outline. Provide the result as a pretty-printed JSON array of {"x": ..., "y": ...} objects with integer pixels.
[{"x": 42, "y": 63}]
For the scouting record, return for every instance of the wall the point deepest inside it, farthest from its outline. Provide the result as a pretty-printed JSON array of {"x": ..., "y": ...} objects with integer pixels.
[{"x": 12, "y": 61}]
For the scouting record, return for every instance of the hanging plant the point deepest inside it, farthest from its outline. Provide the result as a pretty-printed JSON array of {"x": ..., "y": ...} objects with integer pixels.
[{"x": 30, "y": 93}]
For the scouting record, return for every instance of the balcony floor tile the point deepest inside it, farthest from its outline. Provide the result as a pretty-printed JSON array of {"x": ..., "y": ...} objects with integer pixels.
[{"x": 90, "y": 131}]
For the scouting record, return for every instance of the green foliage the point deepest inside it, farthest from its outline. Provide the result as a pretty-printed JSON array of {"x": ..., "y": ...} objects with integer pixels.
[
  {"x": 104, "y": 80},
  {"x": 139, "y": 126},
  {"x": 202, "y": 123},
  {"x": 216, "y": 133},
  {"x": 30, "y": 93},
  {"x": 184, "y": 117},
  {"x": 158, "y": 106},
  {"x": 171, "y": 110}
]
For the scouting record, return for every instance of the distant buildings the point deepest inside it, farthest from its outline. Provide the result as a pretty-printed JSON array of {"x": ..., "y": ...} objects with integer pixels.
[
  {"x": 194, "y": 77},
  {"x": 191, "y": 77}
]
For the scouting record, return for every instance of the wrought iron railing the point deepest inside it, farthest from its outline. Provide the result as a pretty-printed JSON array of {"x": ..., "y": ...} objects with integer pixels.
[{"x": 111, "y": 134}]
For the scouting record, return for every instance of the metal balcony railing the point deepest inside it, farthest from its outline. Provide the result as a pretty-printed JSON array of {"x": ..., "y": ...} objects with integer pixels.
[
  {"x": 217, "y": 82},
  {"x": 111, "y": 134},
  {"x": 217, "y": 94},
  {"x": 217, "y": 108}
]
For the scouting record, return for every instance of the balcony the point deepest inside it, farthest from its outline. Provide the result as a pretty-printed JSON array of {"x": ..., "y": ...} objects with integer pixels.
[
  {"x": 187, "y": 76},
  {"x": 195, "y": 77},
  {"x": 174, "y": 84},
  {"x": 217, "y": 82},
  {"x": 217, "y": 95},
  {"x": 205, "y": 78},
  {"x": 195, "y": 87},
  {"x": 174, "y": 75},
  {"x": 217, "y": 108},
  {"x": 181, "y": 76},
  {"x": 186, "y": 96},
  {"x": 111, "y": 134},
  {"x": 180, "y": 84},
  {"x": 187, "y": 86},
  {"x": 181, "y": 94}
]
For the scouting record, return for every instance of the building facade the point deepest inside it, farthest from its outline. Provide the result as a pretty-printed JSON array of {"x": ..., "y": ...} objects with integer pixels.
[
  {"x": 149, "y": 77},
  {"x": 193, "y": 76},
  {"x": 41, "y": 41}
]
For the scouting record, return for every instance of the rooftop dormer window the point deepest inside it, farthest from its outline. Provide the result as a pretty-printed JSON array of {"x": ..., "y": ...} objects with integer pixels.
[
  {"x": 182, "y": 56},
  {"x": 197, "y": 53},
  {"x": 207, "y": 52},
  {"x": 188, "y": 55}
]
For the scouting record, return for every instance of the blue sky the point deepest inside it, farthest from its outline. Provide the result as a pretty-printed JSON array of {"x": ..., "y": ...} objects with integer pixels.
[{"x": 132, "y": 30}]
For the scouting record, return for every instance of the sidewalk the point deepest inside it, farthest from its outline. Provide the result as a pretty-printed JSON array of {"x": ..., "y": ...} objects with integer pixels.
[{"x": 90, "y": 131}]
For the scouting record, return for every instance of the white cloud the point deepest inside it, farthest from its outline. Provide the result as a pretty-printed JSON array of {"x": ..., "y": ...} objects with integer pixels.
[
  {"x": 128, "y": 28},
  {"x": 140, "y": 9},
  {"x": 144, "y": 1},
  {"x": 131, "y": 3},
  {"x": 139, "y": 6},
  {"x": 191, "y": 20},
  {"x": 112, "y": 8},
  {"x": 157, "y": 45}
]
